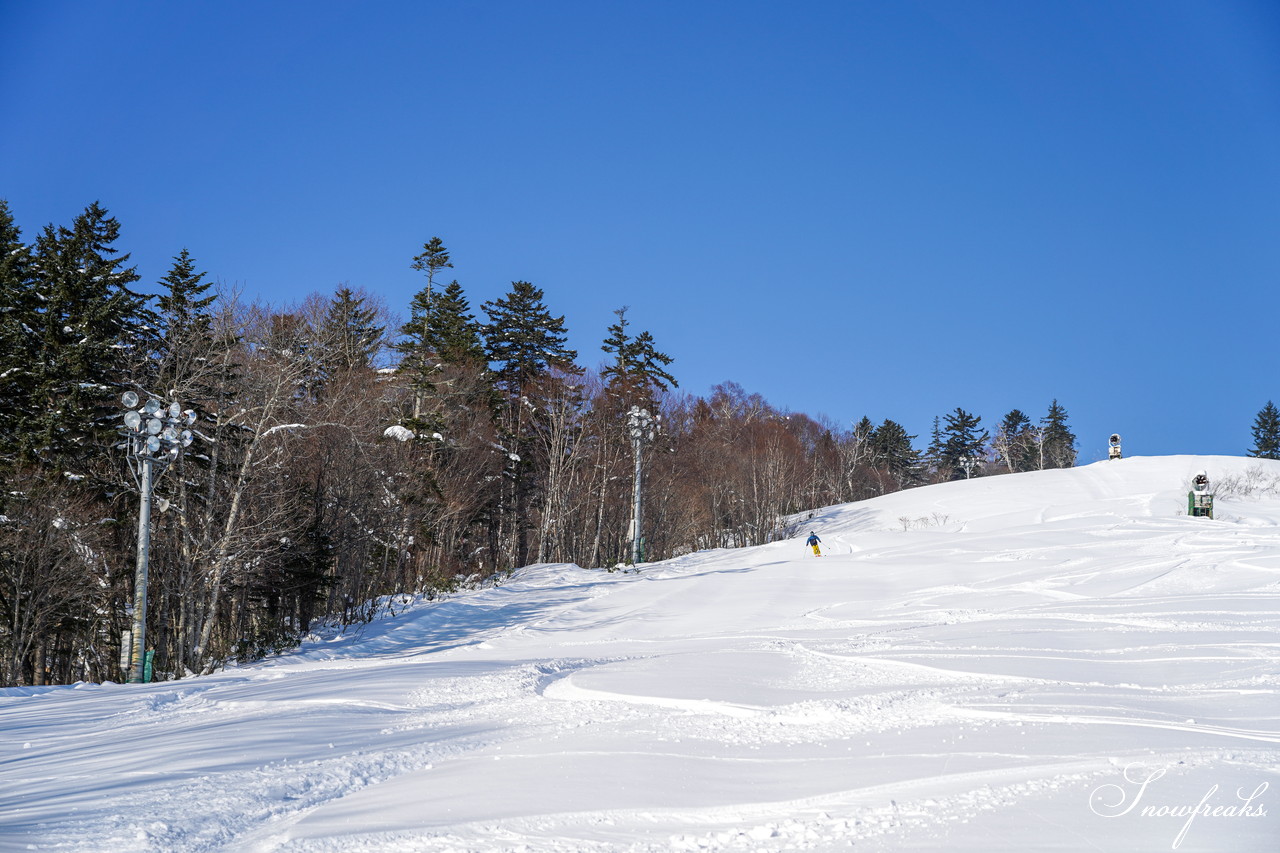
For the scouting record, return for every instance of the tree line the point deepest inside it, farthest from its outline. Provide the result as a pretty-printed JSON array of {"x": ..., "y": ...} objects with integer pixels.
[{"x": 342, "y": 461}]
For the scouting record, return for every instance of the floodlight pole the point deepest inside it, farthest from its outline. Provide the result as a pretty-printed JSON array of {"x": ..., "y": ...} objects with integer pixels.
[
  {"x": 138, "y": 658},
  {"x": 635, "y": 504},
  {"x": 153, "y": 434},
  {"x": 643, "y": 428}
]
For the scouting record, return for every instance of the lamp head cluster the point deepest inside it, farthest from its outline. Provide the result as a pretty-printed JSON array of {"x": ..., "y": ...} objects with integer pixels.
[
  {"x": 642, "y": 425},
  {"x": 156, "y": 430}
]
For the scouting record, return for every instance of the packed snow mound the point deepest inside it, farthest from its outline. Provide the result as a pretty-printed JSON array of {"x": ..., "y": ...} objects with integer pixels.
[
  {"x": 1116, "y": 490},
  {"x": 1061, "y": 660}
]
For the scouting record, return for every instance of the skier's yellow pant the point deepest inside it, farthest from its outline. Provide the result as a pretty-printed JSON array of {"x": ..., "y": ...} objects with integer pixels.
[{"x": 816, "y": 552}]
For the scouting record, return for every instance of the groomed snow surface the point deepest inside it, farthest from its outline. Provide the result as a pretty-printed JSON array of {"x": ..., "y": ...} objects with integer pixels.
[{"x": 1060, "y": 660}]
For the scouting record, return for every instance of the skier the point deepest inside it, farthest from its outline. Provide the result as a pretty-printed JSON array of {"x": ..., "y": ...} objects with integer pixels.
[{"x": 812, "y": 542}]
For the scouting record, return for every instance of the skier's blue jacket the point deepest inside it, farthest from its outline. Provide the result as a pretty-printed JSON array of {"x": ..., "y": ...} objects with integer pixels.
[{"x": 813, "y": 539}]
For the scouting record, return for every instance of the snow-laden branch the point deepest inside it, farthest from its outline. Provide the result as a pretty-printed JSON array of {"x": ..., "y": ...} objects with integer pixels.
[{"x": 281, "y": 427}]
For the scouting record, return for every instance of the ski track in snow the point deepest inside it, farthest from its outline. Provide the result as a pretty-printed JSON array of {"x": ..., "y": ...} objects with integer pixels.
[{"x": 961, "y": 680}]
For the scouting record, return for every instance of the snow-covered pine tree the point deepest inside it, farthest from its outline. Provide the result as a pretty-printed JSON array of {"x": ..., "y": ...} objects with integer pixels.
[
  {"x": 17, "y": 342},
  {"x": 1266, "y": 433},
  {"x": 92, "y": 335}
]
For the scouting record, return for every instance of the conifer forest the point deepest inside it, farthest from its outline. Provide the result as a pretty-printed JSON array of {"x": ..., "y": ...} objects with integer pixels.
[{"x": 341, "y": 461}]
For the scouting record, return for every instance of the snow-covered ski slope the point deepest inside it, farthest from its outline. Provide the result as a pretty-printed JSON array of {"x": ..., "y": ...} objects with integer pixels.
[{"x": 1060, "y": 661}]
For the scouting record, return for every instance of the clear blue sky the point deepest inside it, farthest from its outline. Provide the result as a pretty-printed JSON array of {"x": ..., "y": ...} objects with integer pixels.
[{"x": 889, "y": 208}]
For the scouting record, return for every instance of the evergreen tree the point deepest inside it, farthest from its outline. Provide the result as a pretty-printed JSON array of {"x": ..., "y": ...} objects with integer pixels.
[
  {"x": 416, "y": 357},
  {"x": 963, "y": 445},
  {"x": 891, "y": 450},
  {"x": 638, "y": 369},
  {"x": 933, "y": 453},
  {"x": 349, "y": 335},
  {"x": 419, "y": 346},
  {"x": 187, "y": 330},
  {"x": 618, "y": 344},
  {"x": 526, "y": 343},
  {"x": 523, "y": 339},
  {"x": 441, "y": 331},
  {"x": 183, "y": 305},
  {"x": 433, "y": 258},
  {"x": 1014, "y": 442},
  {"x": 1058, "y": 442},
  {"x": 453, "y": 333},
  {"x": 93, "y": 332},
  {"x": 1266, "y": 433},
  {"x": 863, "y": 430},
  {"x": 651, "y": 365},
  {"x": 17, "y": 322}
]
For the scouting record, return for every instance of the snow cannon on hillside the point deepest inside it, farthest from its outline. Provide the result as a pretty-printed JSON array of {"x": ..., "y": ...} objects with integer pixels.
[
  {"x": 1114, "y": 453},
  {"x": 1199, "y": 501}
]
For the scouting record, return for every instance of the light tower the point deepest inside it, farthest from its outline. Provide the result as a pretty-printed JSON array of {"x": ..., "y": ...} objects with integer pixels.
[
  {"x": 1114, "y": 452},
  {"x": 643, "y": 428},
  {"x": 155, "y": 435}
]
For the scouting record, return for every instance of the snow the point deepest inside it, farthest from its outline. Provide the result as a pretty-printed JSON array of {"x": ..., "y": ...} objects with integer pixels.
[
  {"x": 1055, "y": 661},
  {"x": 283, "y": 428},
  {"x": 398, "y": 432}
]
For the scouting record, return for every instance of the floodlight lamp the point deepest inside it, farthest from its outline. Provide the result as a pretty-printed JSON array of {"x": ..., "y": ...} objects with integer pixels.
[
  {"x": 153, "y": 405},
  {"x": 154, "y": 426},
  {"x": 169, "y": 433},
  {"x": 129, "y": 399},
  {"x": 186, "y": 438},
  {"x": 132, "y": 419},
  {"x": 153, "y": 444},
  {"x": 175, "y": 410},
  {"x": 189, "y": 416}
]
